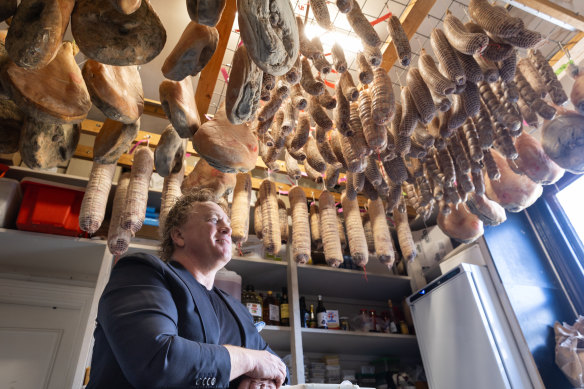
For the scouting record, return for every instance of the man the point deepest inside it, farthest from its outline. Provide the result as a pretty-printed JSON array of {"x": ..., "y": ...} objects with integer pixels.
[{"x": 164, "y": 325}]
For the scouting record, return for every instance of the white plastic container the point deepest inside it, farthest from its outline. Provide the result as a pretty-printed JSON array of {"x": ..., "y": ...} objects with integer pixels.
[
  {"x": 230, "y": 282},
  {"x": 10, "y": 198}
]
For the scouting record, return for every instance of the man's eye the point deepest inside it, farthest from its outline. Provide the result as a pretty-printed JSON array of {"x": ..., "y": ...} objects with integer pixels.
[{"x": 213, "y": 220}]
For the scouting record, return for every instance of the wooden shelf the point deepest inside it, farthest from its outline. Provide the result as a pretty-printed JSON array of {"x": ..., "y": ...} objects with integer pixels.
[
  {"x": 369, "y": 343},
  {"x": 351, "y": 284},
  {"x": 278, "y": 337}
]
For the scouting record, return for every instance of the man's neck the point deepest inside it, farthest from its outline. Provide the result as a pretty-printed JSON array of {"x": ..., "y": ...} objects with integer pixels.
[{"x": 204, "y": 276}]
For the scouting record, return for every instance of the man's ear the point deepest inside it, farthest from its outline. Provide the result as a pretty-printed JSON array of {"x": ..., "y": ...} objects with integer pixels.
[{"x": 177, "y": 237}]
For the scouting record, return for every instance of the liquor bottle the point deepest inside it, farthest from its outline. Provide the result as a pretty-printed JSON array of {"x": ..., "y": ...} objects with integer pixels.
[
  {"x": 284, "y": 308},
  {"x": 392, "y": 320},
  {"x": 321, "y": 313},
  {"x": 373, "y": 321},
  {"x": 250, "y": 301},
  {"x": 312, "y": 318},
  {"x": 271, "y": 310},
  {"x": 304, "y": 314}
]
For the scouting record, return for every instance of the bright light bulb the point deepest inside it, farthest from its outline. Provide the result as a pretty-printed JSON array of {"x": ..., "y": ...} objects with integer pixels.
[{"x": 329, "y": 37}]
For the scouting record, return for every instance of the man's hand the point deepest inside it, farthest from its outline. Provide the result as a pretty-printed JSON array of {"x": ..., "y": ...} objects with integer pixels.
[
  {"x": 267, "y": 366},
  {"x": 253, "y": 383},
  {"x": 256, "y": 364}
]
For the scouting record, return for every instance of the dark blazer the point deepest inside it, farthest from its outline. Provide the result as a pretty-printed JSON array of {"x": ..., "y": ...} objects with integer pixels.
[{"x": 156, "y": 328}]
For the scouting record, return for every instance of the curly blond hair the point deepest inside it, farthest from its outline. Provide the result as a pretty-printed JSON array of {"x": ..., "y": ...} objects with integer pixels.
[{"x": 179, "y": 213}]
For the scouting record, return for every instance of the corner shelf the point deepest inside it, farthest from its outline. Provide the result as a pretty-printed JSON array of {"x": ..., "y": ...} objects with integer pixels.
[{"x": 347, "y": 342}]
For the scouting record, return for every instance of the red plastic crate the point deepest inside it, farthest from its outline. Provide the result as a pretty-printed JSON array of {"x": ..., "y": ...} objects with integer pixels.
[{"x": 50, "y": 208}]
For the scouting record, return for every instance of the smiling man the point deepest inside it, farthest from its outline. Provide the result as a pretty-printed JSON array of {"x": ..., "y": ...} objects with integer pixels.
[{"x": 162, "y": 324}]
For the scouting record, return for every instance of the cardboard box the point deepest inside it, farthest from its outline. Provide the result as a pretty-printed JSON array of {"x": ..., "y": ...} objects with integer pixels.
[{"x": 432, "y": 245}]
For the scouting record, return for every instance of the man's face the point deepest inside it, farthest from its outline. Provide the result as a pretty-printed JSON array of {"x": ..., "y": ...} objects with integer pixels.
[{"x": 207, "y": 234}]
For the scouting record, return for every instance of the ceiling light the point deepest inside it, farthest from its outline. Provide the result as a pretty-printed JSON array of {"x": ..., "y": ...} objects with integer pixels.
[
  {"x": 541, "y": 15},
  {"x": 348, "y": 42}
]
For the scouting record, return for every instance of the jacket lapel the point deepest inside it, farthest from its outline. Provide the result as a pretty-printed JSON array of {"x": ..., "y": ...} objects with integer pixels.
[
  {"x": 237, "y": 311},
  {"x": 206, "y": 312}
]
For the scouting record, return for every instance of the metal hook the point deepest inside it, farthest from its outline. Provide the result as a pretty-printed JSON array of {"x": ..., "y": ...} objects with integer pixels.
[{"x": 565, "y": 50}]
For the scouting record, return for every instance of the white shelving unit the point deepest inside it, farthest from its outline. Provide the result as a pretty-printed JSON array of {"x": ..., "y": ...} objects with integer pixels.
[
  {"x": 316, "y": 340},
  {"x": 87, "y": 262}
]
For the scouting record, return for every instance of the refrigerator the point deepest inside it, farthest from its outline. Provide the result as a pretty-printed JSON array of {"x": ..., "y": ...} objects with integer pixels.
[{"x": 466, "y": 337}]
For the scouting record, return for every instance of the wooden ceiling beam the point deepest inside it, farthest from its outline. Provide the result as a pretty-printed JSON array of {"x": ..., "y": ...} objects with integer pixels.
[
  {"x": 556, "y": 11},
  {"x": 568, "y": 46},
  {"x": 153, "y": 108},
  {"x": 209, "y": 74},
  {"x": 411, "y": 19}
]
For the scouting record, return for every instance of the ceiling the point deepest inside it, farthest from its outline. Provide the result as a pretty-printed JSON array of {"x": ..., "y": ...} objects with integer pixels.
[{"x": 175, "y": 18}]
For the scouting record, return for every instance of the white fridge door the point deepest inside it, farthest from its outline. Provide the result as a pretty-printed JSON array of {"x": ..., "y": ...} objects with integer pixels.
[{"x": 460, "y": 347}]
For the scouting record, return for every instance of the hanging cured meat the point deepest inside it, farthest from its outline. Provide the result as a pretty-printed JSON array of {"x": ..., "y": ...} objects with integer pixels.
[
  {"x": 240, "y": 208},
  {"x": 206, "y": 176},
  {"x": 111, "y": 37},
  {"x": 170, "y": 193},
  {"x": 7, "y": 9},
  {"x": 300, "y": 225},
  {"x": 11, "y": 120},
  {"x": 226, "y": 146},
  {"x": 207, "y": 12},
  {"x": 270, "y": 33},
  {"x": 115, "y": 90},
  {"x": 244, "y": 88},
  {"x": 381, "y": 235},
  {"x": 534, "y": 162},
  {"x": 169, "y": 152},
  {"x": 563, "y": 140},
  {"x": 134, "y": 211},
  {"x": 55, "y": 93},
  {"x": 355, "y": 232},
  {"x": 193, "y": 51},
  {"x": 460, "y": 224},
  {"x": 114, "y": 139},
  {"x": 270, "y": 217},
  {"x": 488, "y": 211},
  {"x": 512, "y": 191},
  {"x": 127, "y": 6},
  {"x": 118, "y": 239},
  {"x": 95, "y": 198},
  {"x": 330, "y": 230},
  {"x": 178, "y": 102},
  {"x": 45, "y": 145},
  {"x": 36, "y": 31}
]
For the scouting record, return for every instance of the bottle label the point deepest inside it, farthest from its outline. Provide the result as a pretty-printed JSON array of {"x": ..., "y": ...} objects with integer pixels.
[
  {"x": 284, "y": 311},
  {"x": 274, "y": 313},
  {"x": 254, "y": 309},
  {"x": 321, "y": 319}
]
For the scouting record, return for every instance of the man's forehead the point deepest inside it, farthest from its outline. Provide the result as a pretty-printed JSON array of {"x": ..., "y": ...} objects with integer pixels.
[{"x": 200, "y": 207}]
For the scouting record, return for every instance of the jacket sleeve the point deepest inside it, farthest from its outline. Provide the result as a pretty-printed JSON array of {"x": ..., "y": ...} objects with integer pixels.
[{"x": 139, "y": 319}]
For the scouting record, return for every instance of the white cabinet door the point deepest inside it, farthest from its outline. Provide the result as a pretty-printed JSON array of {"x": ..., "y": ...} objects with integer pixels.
[{"x": 40, "y": 342}]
